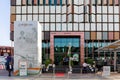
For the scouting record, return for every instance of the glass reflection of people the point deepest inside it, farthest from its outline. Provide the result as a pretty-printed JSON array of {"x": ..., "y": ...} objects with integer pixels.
[
  {"x": 65, "y": 60},
  {"x": 105, "y": 61}
]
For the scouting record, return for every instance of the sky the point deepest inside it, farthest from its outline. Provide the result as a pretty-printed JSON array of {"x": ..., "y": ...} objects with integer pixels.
[{"x": 5, "y": 23}]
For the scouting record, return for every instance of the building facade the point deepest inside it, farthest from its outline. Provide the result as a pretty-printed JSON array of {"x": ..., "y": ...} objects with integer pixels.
[
  {"x": 5, "y": 50},
  {"x": 85, "y": 25}
]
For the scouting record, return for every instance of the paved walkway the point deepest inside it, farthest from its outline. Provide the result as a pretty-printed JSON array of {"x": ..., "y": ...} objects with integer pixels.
[{"x": 49, "y": 76}]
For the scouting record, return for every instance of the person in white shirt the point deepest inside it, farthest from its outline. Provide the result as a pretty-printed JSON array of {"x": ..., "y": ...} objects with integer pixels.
[{"x": 85, "y": 65}]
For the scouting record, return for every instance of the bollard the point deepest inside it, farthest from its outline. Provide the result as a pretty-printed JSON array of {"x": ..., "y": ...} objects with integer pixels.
[{"x": 54, "y": 71}]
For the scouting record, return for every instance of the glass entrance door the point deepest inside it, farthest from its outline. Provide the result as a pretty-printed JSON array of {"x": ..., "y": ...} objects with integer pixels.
[{"x": 61, "y": 45}]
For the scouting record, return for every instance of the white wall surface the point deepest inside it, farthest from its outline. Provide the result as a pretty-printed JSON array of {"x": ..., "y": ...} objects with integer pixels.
[{"x": 27, "y": 43}]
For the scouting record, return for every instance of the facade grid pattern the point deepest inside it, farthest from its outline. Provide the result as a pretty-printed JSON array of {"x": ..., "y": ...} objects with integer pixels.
[{"x": 98, "y": 19}]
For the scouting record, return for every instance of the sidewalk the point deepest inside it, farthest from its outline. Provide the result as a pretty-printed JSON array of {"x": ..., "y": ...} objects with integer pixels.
[{"x": 49, "y": 76}]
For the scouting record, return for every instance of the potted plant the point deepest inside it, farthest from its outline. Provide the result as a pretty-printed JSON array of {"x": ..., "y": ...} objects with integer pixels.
[{"x": 90, "y": 61}]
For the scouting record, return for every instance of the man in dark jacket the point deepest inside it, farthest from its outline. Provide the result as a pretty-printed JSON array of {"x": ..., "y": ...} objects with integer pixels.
[{"x": 9, "y": 64}]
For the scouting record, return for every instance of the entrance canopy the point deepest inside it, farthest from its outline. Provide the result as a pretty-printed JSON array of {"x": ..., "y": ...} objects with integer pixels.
[{"x": 113, "y": 47}]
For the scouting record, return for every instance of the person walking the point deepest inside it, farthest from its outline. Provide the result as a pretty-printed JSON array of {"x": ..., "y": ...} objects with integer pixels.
[{"x": 9, "y": 64}]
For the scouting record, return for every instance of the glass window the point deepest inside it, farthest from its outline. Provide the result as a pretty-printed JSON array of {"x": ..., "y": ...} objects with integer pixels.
[
  {"x": 64, "y": 9},
  {"x": 58, "y": 27},
  {"x": 86, "y": 9},
  {"x": 116, "y": 18},
  {"x": 29, "y": 2},
  {"x": 93, "y": 35},
  {"x": 104, "y": 2},
  {"x": 99, "y": 1},
  {"x": 80, "y": 9},
  {"x": 52, "y": 1},
  {"x": 86, "y": 18},
  {"x": 46, "y": 18},
  {"x": 47, "y": 2},
  {"x": 110, "y": 2},
  {"x": 23, "y": 9},
  {"x": 69, "y": 1},
  {"x": 52, "y": 18},
  {"x": 29, "y": 9},
  {"x": 46, "y": 27},
  {"x": 116, "y": 9},
  {"x": 110, "y": 27},
  {"x": 76, "y": 9},
  {"x": 76, "y": 18},
  {"x": 76, "y": 1},
  {"x": 116, "y": 28},
  {"x": 87, "y": 27},
  {"x": 18, "y": 9},
  {"x": 52, "y": 27},
  {"x": 104, "y": 27},
  {"x": 75, "y": 27},
  {"x": 23, "y": 2},
  {"x": 63, "y": 18},
  {"x": 98, "y": 9},
  {"x": 70, "y": 18},
  {"x": 40, "y": 9},
  {"x": 40, "y": 18},
  {"x": 105, "y": 37},
  {"x": 63, "y": 1},
  {"x": 40, "y": 1},
  {"x": 93, "y": 9},
  {"x": 104, "y": 18},
  {"x": 13, "y": 9},
  {"x": 35, "y": 9},
  {"x": 99, "y": 27},
  {"x": 58, "y": 18},
  {"x": 110, "y": 9},
  {"x": 93, "y": 18},
  {"x": 69, "y": 26},
  {"x": 52, "y": 9},
  {"x": 81, "y": 27},
  {"x": 18, "y": 17},
  {"x": 13, "y": 2},
  {"x": 93, "y": 27},
  {"x": 58, "y": 9},
  {"x": 18, "y": 2},
  {"x": 87, "y": 35},
  {"x": 99, "y": 17},
  {"x": 12, "y": 18},
  {"x": 29, "y": 17},
  {"x": 104, "y": 9},
  {"x": 116, "y": 1},
  {"x": 87, "y": 1},
  {"x": 81, "y": 2},
  {"x": 93, "y": 1},
  {"x": 110, "y": 18},
  {"x": 99, "y": 35},
  {"x": 23, "y": 17},
  {"x": 35, "y": 17},
  {"x": 80, "y": 18},
  {"x": 47, "y": 9},
  {"x": 64, "y": 27},
  {"x": 58, "y": 1}
]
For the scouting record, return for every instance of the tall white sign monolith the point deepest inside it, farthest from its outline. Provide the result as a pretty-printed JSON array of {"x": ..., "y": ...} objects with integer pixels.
[{"x": 27, "y": 44}]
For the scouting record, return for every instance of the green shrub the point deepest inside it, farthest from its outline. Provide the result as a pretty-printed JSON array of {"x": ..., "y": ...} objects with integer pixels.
[
  {"x": 89, "y": 61},
  {"x": 47, "y": 62}
]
